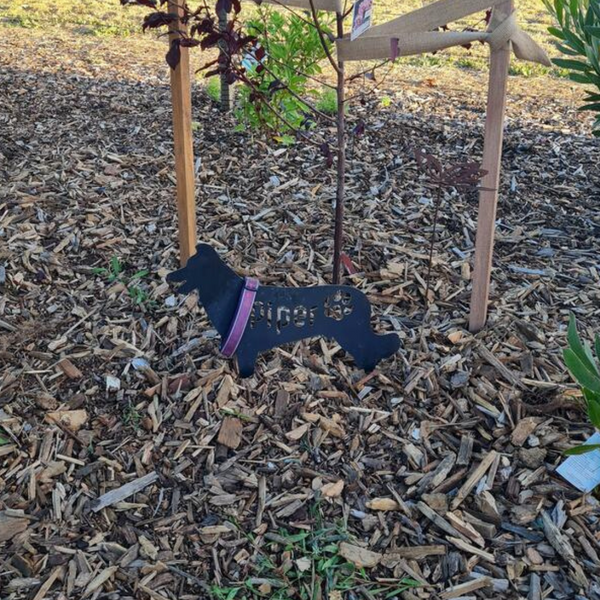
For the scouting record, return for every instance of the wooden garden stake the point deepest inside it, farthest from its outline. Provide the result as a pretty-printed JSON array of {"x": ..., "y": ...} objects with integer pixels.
[
  {"x": 492, "y": 155},
  {"x": 181, "y": 98}
]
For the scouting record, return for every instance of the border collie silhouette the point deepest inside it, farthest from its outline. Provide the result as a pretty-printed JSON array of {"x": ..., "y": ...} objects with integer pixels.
[{"x": 252, "y": 318}]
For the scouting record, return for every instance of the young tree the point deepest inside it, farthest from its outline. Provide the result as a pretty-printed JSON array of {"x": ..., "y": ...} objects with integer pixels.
[{"x": 208, "y": 30}]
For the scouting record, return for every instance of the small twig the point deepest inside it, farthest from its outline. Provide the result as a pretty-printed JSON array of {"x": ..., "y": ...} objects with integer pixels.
[
  {"x": 363, "y": 73},
  {"x": 289, "y": 90},
  {"x": 322, "y": 37},
  {"x": 299, "y": 72},
  {"x": 438, "y": 202},
  {"x": 297, "y": 15}
]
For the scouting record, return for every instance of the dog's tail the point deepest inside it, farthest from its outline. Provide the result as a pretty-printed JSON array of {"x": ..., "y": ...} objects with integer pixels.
[
  {"x": 389, "y": 344},
  {"x": 181, "y": 275}
]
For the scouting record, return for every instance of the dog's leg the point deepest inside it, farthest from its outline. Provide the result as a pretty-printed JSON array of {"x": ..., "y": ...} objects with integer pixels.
[
  {"x": 246, "y": 362},
  {"x": 368, "y": 348}
]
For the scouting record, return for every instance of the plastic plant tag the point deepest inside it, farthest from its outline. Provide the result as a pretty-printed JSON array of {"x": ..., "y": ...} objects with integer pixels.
[
  {"x": 254, "y": 58},
  {"x": 583, "y": 470},
  {"x": 361, "y": 19}
]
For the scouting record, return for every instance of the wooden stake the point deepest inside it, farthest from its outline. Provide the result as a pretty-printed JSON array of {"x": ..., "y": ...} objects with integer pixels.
[
  {"x": 181, "y": 98},
  {"x": 492, "y": 154}
]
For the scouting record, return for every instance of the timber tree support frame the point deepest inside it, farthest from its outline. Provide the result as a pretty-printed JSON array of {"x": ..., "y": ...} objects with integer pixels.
[{"x": 410, "y": 34}]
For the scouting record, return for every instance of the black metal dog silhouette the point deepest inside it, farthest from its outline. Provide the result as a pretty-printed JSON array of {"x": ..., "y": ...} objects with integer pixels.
[{"x": 282, "y": 315}]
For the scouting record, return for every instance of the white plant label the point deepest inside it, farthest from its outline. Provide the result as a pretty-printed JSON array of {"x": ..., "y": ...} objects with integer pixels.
[
  {"x": 362, "y": 17},
  {"x": 583, "y": 470}
]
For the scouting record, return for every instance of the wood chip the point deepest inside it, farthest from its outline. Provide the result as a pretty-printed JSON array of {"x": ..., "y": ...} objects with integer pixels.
[
  {"x": 10, "y": 526},
  {"x": 472, "y": 480},
  {"x": 73, "y": 420},
  {"x": 230, "y": 434},
  {"x": 358, "y": 556},
  {"x": 383, "y": 504},
  {"x": 125, "y": 491},
  {"x": 69, "y": 369}
]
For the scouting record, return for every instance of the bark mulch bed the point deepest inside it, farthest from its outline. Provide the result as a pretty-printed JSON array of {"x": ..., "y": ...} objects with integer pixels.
[{"x": 135, "y": 463}]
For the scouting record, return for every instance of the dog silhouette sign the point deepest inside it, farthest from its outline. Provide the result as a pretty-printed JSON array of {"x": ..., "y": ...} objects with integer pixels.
[{"x": 252, "y": 319}]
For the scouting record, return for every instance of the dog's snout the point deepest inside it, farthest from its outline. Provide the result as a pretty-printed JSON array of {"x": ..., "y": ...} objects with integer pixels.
[{"x": 179, "y": 275}]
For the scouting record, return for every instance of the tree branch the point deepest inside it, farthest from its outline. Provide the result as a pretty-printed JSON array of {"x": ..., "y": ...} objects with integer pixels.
[{"x": 322, "y": 37}]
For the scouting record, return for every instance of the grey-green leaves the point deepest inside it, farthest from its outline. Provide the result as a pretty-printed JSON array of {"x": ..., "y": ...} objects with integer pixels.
[
  {"x": 583, "y": 449},
  {"x": 585, "y": 370},
  {"x": 579, "y": 34}
]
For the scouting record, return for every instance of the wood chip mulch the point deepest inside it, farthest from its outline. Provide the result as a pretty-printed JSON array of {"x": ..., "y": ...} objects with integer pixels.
[{"x": 135, "y": 463}]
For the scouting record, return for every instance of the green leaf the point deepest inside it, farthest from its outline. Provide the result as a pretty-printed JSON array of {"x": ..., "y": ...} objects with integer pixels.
[
  {"x": 574, "y": 8},
  {"x": 589, "y": 17},
  {"x": 574, "y": 65},
  {"x": 558, "y": 7},
  {"x": 3, "y": 440},
  {"x": 295, "y": 538},
  {"x": 593, "y": 407},
  {"x": 583, "y": 449},
  {"x": 583, "y": 352},
  {"x": 593, "y": 107},
  {"x": 140, "y": 274},
  {"x": 582, "y": 375},
  {"x": 556, "y": 32},
  {"x": 580, "y": 78},
  {"x": 595, "y": 31},
  {"x": 574, "y": 41},
  {"x": 566, "y": 50},
  {"x": 232, "y": 594}
]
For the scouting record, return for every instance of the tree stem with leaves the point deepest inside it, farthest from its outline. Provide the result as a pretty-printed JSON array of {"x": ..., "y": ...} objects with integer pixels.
[
  {"x": 225, "y": 100},
  {"x": 338, "y": 237}
]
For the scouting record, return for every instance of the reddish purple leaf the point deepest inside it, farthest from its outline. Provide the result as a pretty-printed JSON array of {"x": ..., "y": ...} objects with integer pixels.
[
  {"x": 158, "y": 19},
  {"x": 359, "y": 128},
  {"x": 174, "y": 54}
]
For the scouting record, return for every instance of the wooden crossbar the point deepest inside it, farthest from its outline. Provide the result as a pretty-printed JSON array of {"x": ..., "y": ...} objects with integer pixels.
[
  {"x": 430, "y": 17},
  {"x": 375, "y": 48},
  {"x": 326, "y": 5}
]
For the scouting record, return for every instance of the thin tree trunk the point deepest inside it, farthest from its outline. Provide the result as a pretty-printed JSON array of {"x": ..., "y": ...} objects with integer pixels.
[
  {"x": 225, "y": 103},
  {"x": 438, "y": 204},
  {"x": 338, "y": 236}
]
